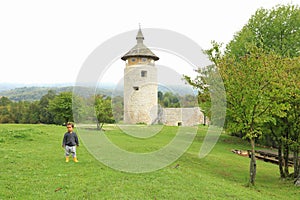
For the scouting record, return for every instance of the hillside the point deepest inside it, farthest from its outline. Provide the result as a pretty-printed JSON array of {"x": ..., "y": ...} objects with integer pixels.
[
  {"x": 33, "y": 93},
  {"x": 220, "y": 175}
]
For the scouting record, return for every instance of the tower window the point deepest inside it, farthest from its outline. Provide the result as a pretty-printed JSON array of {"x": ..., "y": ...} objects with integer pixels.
[
  {"x": 132, "y": 59},
  {"x": 136, "y": 88},
  {"x": 143, "y": 73},
  {"x": 144, "y": 59}
]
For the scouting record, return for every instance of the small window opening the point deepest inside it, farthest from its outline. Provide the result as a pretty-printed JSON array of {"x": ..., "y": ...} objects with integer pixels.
[{"x": 136, "y": 88}]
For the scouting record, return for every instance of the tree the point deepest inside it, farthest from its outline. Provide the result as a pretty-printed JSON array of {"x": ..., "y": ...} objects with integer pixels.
[
  {"x": 80, "y": 108},
  {"x": 103, "y": 110},
  {"x": 18, "y": 111},
  {"x": 168, "y": 100},
  {"x": 248, "y": 81},
  {"x": 277, "y": 30},
  {"x": 5, "y": 108},
  {"x": 4, "y": 101},
  {"x": 45, "y": 114},
  {"x": 285, "y": 131},
  {"x": 291, "y": 98},
  {"x": 188, "y": 101},
  {"x": 31, "y": 116},
  {"x": 118, "y": 107},
  {"x": 61, "y": 108},
  {"x": 201, "y": 83}
]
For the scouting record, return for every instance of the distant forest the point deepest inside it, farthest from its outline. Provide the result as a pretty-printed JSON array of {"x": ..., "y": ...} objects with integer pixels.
[{"x": 59, "y": 105}]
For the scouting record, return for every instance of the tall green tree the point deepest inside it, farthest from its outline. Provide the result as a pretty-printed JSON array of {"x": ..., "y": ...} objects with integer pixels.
[
  {"x": 4, "y": 101},
  {"x": 276, "y": 30},
  {"x": 248, "y": 81},
  {"x": 284, "y": 133},
  {"x": 61, "y": 108},
  {"x": 188, "y": 101},
  {"x": 79, "y": 108},
  {"x": 201, "y": 83},
  {"x": 31, "y": 116},
  {"x": 5, "y": 110},
  {"x": 103, "y": 109},
  {"x": 19, "y": 110},
  {"x": 168, "y": 100},
  {"x": 45, "y": 115},
  {"x": 291, "y": 135},
  {"x": 118, "y": 108}
]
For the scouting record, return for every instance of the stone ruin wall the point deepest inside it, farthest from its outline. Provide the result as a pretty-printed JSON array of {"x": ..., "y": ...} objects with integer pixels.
[{"x": 182, "y": 116}]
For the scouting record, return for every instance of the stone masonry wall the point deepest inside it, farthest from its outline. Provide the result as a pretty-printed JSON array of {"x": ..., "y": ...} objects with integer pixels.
[
  {"x": 140, "y": 94},
  {"x": 182, "y": 116}
]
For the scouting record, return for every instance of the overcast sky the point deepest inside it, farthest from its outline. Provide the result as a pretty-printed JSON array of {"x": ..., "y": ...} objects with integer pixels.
[{"x": 48, "y": 41}]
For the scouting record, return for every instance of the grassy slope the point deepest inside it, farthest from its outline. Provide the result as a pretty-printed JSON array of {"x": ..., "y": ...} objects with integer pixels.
[{"x": 32, "y": 167}]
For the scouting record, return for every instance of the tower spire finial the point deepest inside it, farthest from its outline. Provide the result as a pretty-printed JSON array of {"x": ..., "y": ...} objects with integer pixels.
[
  {"x": 140, "y": 49},
  {"x": 140, "y": 36}
]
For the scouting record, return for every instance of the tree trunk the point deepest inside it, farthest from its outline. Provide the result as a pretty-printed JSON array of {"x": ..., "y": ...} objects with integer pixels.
[
  {"x": 252, "y": 163},
  {"x": 297, "y": 171},
  {"x": 280, "y": 160},
  {"x": 286, "y": 158},
  {"x": 101, "y": 126},
  {"x": 296, "y": 163},
  {"x": 297, "y": 181}
]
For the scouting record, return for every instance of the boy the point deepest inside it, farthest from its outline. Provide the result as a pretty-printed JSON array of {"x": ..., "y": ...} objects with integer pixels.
[{"x": 70, "y": 141}]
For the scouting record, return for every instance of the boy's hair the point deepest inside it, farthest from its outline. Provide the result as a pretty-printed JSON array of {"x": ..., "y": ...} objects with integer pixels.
[{"x": 70, "y": 123}]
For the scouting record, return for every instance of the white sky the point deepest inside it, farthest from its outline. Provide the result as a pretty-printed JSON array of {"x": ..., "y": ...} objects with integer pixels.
[{"x": 48, "y": 41}]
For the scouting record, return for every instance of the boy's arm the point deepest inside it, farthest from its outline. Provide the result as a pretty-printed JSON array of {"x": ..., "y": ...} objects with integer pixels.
[
  {"x": 76, "y": 140},
  {"x": 64, "y": 141}
]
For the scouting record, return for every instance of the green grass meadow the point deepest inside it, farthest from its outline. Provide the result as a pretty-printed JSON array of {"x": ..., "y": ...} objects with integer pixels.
[{"x": 33, "y": 166}]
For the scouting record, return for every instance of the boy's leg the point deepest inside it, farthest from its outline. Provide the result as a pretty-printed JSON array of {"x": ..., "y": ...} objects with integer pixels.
[
  {"x": 67, "y": 153},
  {"x": 73, "y": 151}
]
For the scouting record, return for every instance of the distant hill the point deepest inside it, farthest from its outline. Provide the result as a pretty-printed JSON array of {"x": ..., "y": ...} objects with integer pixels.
[
  {"x": 181, "y": 90},
  {"x": 32, "y": 93},
  {"x": 35, "y": 93},
  {"x": 9, "y": 86}
]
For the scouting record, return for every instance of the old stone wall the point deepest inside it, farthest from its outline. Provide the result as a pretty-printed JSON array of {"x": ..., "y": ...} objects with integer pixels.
[{"x": 182, "y": 116}]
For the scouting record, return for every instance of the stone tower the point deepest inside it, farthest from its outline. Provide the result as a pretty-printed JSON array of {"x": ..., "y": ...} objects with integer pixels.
[{"x": 140, "y": 84}]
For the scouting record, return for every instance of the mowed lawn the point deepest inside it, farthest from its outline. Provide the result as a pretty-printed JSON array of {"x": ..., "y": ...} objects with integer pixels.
[{"x": 33, "y": 167}]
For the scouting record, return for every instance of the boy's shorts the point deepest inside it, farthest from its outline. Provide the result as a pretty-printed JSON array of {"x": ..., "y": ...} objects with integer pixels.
[{"x": 70, "y": 149}]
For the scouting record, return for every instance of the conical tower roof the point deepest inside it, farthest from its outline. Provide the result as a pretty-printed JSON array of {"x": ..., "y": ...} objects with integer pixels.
[{"x": 140, "y": 50}]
